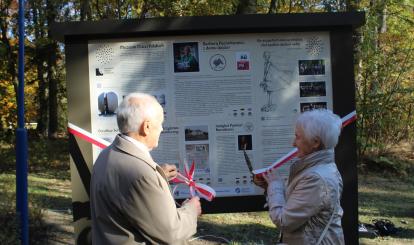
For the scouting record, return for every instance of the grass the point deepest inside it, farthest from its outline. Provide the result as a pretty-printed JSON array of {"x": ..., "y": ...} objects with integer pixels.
[
  {"x": 387, "y": 198},
  {"x": 48, "y": 182},
  {"x": 41, "y": 196},
  {"x": 238, "y": 228},
  {"x": 380, "y": 196}
]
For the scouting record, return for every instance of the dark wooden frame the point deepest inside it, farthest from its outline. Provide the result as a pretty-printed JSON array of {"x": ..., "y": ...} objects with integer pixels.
[{"x": 340, "y": 26}]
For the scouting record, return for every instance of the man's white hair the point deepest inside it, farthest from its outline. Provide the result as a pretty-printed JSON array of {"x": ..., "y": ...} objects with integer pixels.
[
  {"x": 321, "y": 124},
  {"x": 134, "y": 109}
]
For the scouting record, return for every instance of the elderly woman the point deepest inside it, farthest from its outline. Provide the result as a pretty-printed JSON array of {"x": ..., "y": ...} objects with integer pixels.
[{"x": 308, "y": 210}]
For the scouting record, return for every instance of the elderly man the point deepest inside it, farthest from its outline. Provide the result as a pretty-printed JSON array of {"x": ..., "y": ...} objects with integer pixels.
[{"x": 131, "y": 202}]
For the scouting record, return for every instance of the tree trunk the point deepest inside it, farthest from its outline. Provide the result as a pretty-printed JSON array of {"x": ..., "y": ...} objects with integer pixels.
[
  {"x": 144, "y": 10},
  {"x": 382, "y": 28},
  {"x": 273, "y": 6},
  {"x": 85, "y": 10},
  {"x": 119, "y": 9},
  {"x": 98, "y": 10},
  {"x": 53, "y": 112},
  {"x": 11, "y": 58},
  {"x": 39, "y": 59},
  {"x": 247, "y": 7},
  {"x": 351, "y": 5},
  {"x": 42, "y": 100},
  {"x": 51, "y": 73}
]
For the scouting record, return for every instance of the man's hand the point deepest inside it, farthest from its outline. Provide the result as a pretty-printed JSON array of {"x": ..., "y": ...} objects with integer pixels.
[
  {"x": 195, "y": 201},
  {"x": 260, "y": 181},
  {"x": 170, "y": 170}
]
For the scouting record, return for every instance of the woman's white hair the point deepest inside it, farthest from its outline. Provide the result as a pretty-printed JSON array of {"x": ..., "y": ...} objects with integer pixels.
[
  {"x": 134, "y": 109},
  {"x": 321, "y": 124}
]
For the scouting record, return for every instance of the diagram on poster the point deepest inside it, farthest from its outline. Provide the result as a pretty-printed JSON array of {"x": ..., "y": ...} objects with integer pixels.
[{"x": 276, "y": 77}]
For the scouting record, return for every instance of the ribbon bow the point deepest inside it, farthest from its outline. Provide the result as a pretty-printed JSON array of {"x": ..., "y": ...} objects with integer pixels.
[{"x": 198, "y": 189}]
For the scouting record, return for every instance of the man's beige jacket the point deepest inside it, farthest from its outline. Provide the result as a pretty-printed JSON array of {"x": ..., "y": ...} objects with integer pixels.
[{"x": 131, "y": 202}]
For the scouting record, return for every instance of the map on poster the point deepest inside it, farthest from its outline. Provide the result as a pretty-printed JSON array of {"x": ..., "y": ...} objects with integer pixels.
[{"x": 221, "y": 94}]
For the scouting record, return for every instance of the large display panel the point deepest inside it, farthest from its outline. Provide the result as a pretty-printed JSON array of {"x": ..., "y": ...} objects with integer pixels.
[
  {"x": 221, "y": 94},
  {"x": 227, "y": 84}
]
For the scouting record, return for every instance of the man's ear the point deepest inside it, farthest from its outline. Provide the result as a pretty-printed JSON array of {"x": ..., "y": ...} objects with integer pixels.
[{"x": 145, "y": 128}]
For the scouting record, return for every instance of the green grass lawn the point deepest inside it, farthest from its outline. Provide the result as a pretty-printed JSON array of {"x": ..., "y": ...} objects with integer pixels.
[
  {"x": 387, "y": 198},
  {"x": 238, "y": 228},
  {"x": 49, "y": 188}
]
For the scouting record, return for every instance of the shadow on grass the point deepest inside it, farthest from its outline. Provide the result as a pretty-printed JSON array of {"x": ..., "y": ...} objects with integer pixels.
[
  {"x": 61, "y": 227},
  {"x": 375, "y": 204},
  {"x": 39, "y": 231},
  {"x": 404, "y": 233},
  {"x": 238, "y": 233},
  {"x": 57, "y": 240},
  {"x": 51, "y": 202}
]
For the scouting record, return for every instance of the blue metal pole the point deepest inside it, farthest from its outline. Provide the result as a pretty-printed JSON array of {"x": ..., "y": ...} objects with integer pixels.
[{"x": 21, "y": 141}]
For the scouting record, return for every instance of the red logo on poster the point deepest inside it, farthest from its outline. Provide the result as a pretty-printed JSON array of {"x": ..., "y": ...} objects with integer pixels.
[{"x": 243, "y": 65}]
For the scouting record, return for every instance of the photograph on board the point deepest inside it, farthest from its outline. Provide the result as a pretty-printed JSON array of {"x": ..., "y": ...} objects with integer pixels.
[
  {"x": 244, "y": 142},
  {"x": 196, "y": 133},
  {"x": 199, "y": 154},
  {"x": 107, "y": 103},
  {"x": 186, "y": 58},
  {"x": 312, "y": 89},
  {"x": 311, "y": 67},
  {"x": 312, "y": 105}
]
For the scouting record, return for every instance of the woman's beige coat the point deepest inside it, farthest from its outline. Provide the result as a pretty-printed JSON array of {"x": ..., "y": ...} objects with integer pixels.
[{"x": 313, "y": 193}]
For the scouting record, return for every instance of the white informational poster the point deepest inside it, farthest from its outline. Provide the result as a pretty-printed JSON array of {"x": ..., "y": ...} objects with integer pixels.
[{"x": 220, "y": 93}]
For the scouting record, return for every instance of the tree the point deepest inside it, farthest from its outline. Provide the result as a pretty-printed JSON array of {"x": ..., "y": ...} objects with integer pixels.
[
  {"x": 8, "y": 32},
  {"x": 385, "y": 76},
  {"x": 37, "y": 19},
  {"x": 8, "y": 72},
  {"x": 52, "y": 70}
]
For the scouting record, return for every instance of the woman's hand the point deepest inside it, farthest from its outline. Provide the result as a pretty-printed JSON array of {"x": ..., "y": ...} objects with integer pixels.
[
  {"x": 259, "y": 181},
  {"x": 272, "y": 175}
]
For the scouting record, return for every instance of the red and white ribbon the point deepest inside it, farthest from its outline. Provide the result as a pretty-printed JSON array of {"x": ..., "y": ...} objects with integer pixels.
[
  {"x": 77, "y": 131},
  {"x": 346, "y": 120},
  {"x": 198, "y": 189}
]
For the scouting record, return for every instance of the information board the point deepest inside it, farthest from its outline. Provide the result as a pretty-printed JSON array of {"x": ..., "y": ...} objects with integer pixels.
[
  {"x": 221, "y": 94},
  {"x": 226, "y": 83}
]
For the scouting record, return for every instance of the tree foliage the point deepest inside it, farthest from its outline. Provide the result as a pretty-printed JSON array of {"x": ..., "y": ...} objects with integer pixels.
[
  {"x": 383, "y": 51},
  {"x": 384, "y": 75}
]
